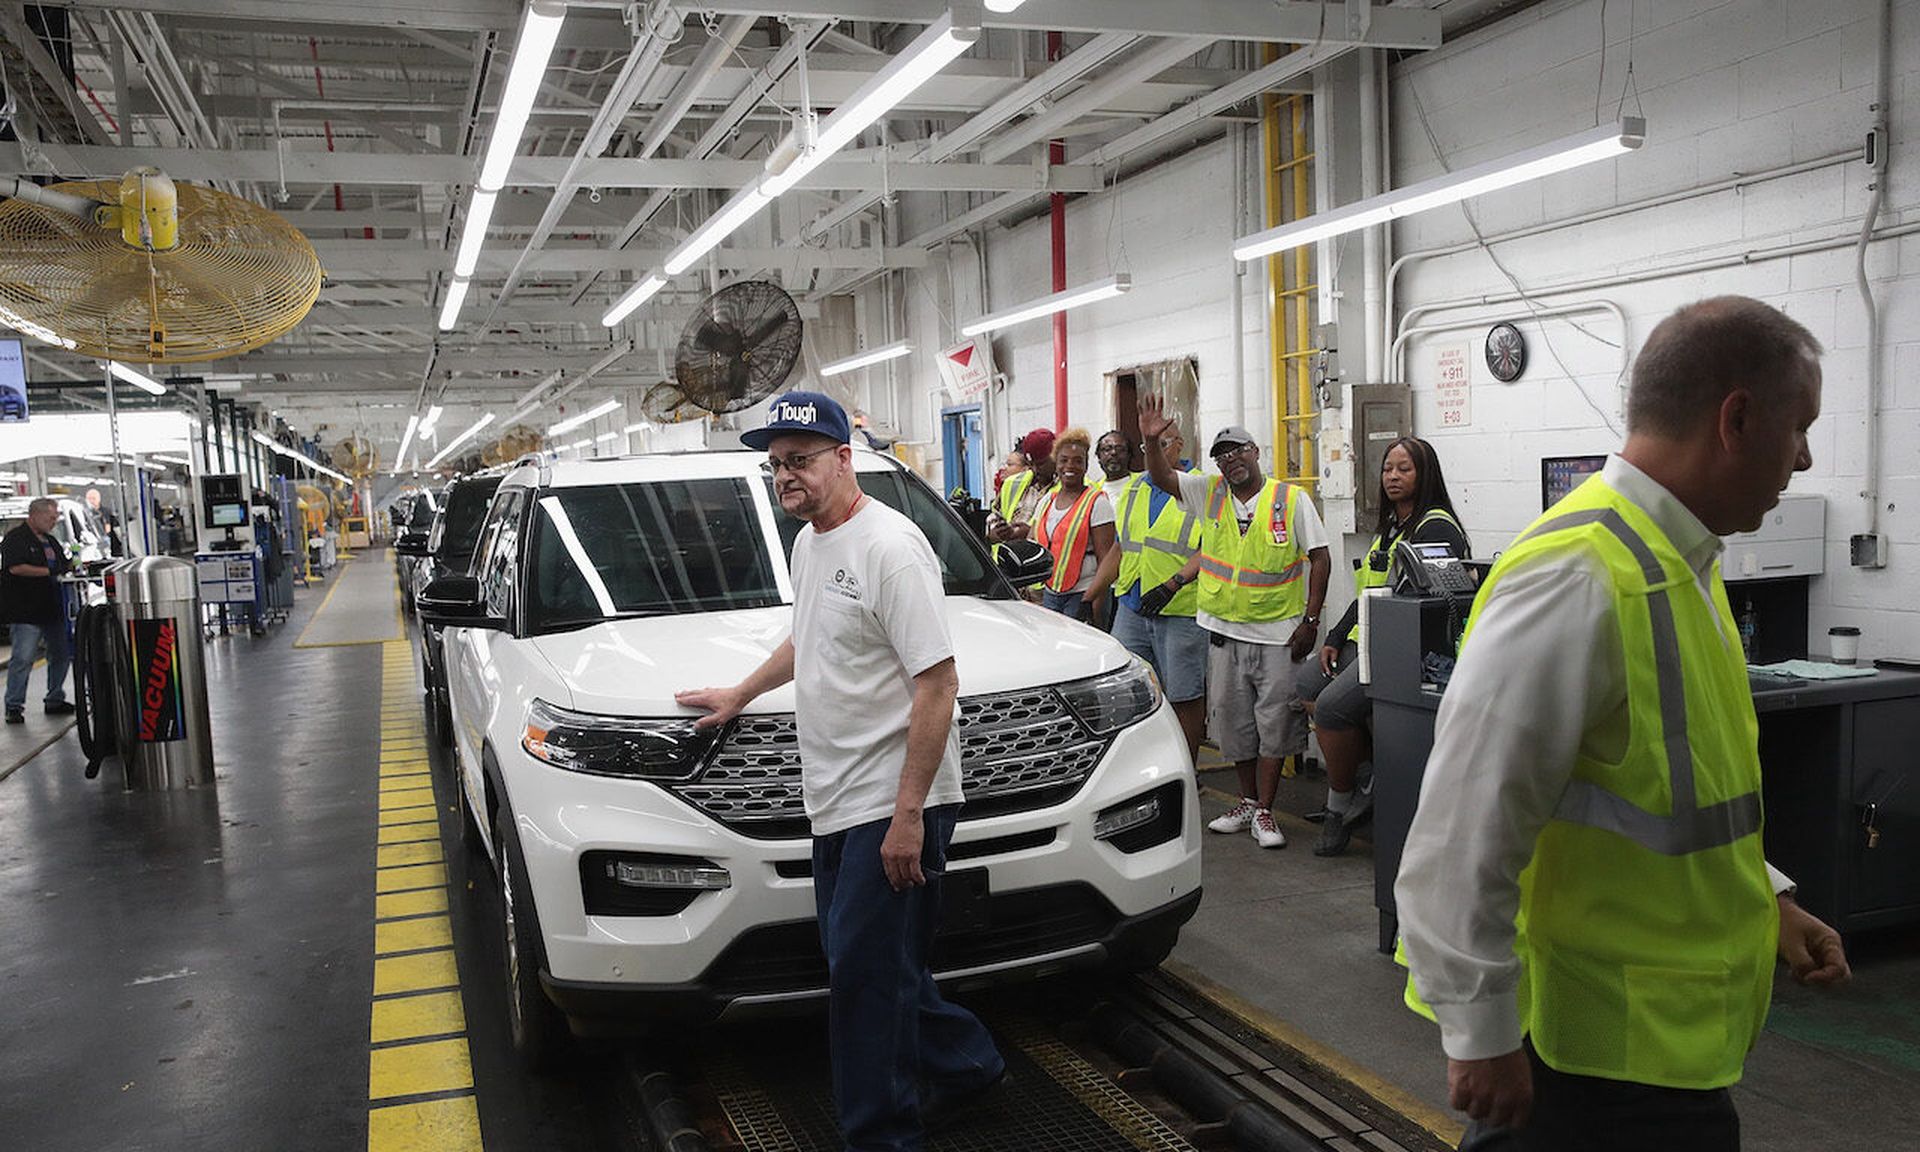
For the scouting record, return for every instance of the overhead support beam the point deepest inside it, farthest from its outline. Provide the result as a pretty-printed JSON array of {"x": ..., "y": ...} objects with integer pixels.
[
  {"x": 446, "y": 15},
  {"x": 854, "y": 172},
  {"x": 1276, "y": 21},
  {"x": 490, "y": 364},
  {"x": 13, "y": 25},
  {"x": 304, "y": 92},
  {"x": 403, "y": 260},
  {"x": 1148, "y": 63}
]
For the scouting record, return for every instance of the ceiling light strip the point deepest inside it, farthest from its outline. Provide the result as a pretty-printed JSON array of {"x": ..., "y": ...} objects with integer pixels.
[
  {"x": 1047, "y": 305},
  {"x": 590, "y": 415},
  {"x": 472, "y": 431},
  {"x": 879, "y": 355}
]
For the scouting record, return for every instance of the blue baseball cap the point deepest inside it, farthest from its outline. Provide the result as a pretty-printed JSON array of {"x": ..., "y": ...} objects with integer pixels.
[{"x": 814, "y": 412}]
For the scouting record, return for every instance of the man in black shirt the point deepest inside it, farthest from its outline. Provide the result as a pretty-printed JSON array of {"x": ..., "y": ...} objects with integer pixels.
[{"x": 31, "y": 562}]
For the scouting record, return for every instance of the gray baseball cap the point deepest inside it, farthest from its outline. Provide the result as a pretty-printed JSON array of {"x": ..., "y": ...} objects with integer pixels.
[{"x": 1232, "y": 436}]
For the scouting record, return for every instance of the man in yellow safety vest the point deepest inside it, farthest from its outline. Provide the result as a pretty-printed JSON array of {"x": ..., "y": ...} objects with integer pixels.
[
  {"x": 1583, "y": 900},
  {"x": 1263, "y": 578}
]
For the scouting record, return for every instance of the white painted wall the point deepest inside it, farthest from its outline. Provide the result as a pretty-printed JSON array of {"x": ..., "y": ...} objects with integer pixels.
[{"x": 1738, "y": 86}]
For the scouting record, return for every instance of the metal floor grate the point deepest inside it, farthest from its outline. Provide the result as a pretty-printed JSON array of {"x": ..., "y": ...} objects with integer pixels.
[{"x": 776, "y": 1099}]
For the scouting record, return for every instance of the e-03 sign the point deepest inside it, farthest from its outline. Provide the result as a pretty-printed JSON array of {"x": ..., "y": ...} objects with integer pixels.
[{"x": 1454, "y": 393}]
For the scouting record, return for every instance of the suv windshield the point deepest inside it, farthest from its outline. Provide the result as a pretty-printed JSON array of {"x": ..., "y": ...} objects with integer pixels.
[
  {"x": 964, "y": 567},
  {"x": 458, "y": 531},
  {"x": 646, "y": 549}
]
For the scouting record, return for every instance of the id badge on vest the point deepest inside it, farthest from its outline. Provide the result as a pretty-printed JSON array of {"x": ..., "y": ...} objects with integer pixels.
[{"x": 1280, "y": 523}]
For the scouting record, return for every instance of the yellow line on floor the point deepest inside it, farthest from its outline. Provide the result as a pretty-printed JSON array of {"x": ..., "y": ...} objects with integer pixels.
[
  {"x": 1441, "y": 1124},
  {"x": 416, "y": 1016}
]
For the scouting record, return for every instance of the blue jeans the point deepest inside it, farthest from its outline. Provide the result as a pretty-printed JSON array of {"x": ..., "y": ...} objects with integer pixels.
[
  {"x": 26, "y": 643},
  {"x": 892, "y": 1036},
  {"x": 1065, "y": 603}
]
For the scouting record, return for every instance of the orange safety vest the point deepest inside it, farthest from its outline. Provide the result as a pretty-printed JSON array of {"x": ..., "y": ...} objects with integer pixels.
[{"x": 1068, "y": 540}]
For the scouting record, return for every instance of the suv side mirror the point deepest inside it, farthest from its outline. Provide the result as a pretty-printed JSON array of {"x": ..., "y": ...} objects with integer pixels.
[
  {"x": 1023, "y": 562},
  {"x": 413, "y": 544},
  {"x": 456, "y": 601}
]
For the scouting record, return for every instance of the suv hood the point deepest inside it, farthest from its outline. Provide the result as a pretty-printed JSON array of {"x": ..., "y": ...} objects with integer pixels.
[{"x": 633, "y": 667}]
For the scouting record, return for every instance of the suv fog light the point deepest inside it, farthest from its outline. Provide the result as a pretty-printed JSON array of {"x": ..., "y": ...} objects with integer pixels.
[
  {"x": 700, "y": 877},
  {"x": 1114, "y": 821}
]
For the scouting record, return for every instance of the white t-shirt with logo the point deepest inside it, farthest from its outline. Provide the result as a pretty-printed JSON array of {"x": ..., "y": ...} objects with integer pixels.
[
  {"x": 869, "y": 614},
  {"x": 1304, "y": 526}
]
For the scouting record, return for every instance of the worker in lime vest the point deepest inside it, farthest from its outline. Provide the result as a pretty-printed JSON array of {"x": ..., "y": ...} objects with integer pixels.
[
  {"x": 1075, "y": 523},
  {"x": 1012, "y": 514},
  {"x": 1414, "y": 507},
  {"x": 1583, "y": 899},
  {"x": 1263, "y": 579},
  {"x": 1113, "y": 454},
  {"x": 1154, "y": 564}
]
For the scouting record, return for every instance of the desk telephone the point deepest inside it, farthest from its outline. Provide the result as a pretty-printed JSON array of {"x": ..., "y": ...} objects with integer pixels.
[{"x": 1429, "y": 570}]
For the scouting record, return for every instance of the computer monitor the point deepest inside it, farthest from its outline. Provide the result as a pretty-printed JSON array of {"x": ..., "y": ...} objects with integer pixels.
[
  {"x": 226, "y": 515},
  {"x": 1560, "y": 475}
]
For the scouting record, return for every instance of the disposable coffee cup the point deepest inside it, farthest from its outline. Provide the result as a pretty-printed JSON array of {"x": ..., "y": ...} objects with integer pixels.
[{"x": 1844, "y": 643}]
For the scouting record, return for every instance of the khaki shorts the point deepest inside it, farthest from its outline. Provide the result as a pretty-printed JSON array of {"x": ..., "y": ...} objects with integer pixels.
[{"x": 1253, "y": 708}]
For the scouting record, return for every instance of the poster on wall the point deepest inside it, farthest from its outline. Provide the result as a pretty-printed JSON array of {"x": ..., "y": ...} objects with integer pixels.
[
  {"x": 13, "y": 380},
  {"x": 968, "y": 369},
  {"x": 1453, "y": 368}
]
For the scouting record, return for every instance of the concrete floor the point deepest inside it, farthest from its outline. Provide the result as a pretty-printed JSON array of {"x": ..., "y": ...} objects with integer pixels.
[{"x": 1293, "y": 934}]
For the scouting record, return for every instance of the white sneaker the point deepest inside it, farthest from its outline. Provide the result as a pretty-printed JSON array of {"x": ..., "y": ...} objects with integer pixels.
[
  {"x": 1238, "y": 818},
  {"x": 1266, "y": 833}
]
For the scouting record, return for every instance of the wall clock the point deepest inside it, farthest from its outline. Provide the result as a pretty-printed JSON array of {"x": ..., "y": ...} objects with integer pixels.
[{"x": 1506, "y": 352}]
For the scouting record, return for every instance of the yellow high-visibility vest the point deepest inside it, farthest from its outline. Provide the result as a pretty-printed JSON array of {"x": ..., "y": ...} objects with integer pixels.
[
  {"x": 1153, "y": 548},
  {"x": 1256, "y": 576},
  {"x": 1011, "y": 490},
  {"x": 1372, "y": 574},
  {"x": 1647, "y": 925}
]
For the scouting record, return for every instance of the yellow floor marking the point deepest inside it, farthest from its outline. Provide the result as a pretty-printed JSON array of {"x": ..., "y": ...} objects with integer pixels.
[
  {"x": 428, "y": 1126},
  {"x": 401, "y": 780},
  {"x": 406, "y": 815},
  {"x": 410, "y": 1069},
  {"x": 405, "y": 879},
  {"x": 389, "y": 856},
  {"x": 412, "y": 935},
  {"x": 406, "y": 798},
  {"x": 410, "y": 833},
  {"x": 418, "y": 973},
  {"x": 403, "y": 768},
  {"x": 410, "y": 903},
  {"x": 1446, "y": 1127},
  {"x": 411, "y": 1017}
]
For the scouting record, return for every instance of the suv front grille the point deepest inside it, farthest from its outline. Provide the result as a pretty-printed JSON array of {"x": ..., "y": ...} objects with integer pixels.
[{"x": 1018, "y": 751}]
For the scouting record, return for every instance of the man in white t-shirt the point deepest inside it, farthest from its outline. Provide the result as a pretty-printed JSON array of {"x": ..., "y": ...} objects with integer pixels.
[
  {"x": 1263, "y": 579},
  {"x": 875, "y": 687}
]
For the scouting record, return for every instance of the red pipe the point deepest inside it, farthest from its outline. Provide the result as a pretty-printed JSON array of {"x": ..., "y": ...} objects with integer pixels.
[{"x": 1057, "y": 154}]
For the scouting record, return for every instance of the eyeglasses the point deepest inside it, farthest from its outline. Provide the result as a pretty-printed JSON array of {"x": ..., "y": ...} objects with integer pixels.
[
  {"x": 1229, "y": 453},
  {"x": 794, "y": 461}
]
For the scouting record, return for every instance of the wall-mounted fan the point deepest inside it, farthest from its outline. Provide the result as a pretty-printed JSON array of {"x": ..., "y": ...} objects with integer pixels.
[
  {"x": 736, "y": 351},
  {"x": 142, "y": 270}
]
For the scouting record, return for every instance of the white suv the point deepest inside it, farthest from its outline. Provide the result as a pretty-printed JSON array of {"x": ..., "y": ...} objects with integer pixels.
[{"x": 650, "y": 872}]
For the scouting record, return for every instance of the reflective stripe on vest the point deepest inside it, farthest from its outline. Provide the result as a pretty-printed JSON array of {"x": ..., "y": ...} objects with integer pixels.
[
  {"x": 1011, "y": 489},
  {"x": 1154, "y": 548},
  {"x": 1367, "y": 576},
  {"x": 1068, "y": 540},
  {"x": 1251, "y": 577}
]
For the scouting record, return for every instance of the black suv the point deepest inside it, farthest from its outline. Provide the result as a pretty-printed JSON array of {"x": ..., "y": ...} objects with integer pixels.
[{"x": 447, "y": 549}]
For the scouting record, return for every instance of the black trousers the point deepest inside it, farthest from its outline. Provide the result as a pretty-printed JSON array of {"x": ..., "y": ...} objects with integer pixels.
[{"x": 1588, "y": 1114}]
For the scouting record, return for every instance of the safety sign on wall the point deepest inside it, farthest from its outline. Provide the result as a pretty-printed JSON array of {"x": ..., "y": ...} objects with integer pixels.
[
  {"x": 1453, "y": 369},
  {"x": 967, "y": 368}
]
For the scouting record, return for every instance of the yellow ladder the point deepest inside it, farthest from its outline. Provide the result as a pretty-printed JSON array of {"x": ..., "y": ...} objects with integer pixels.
[{"x": 1291, "y": 288}]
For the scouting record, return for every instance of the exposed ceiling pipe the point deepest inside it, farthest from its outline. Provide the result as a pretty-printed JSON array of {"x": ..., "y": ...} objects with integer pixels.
[
  {"x": 661, "y": 29},
  {"x": 1142, "y": 67}
]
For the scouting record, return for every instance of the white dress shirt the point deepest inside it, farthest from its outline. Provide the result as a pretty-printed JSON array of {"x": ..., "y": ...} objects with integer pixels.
[{"x": 1543, "y": 681}]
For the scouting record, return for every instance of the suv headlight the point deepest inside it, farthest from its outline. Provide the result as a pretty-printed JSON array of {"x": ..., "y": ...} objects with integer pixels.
[
  {"x": 1113, "y": 700},
  {"x": 631, "y": 746}
]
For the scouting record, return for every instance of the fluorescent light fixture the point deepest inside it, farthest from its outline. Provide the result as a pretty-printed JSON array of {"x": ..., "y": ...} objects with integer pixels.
[
  {"x": 450, "y": 307},
  {"x": 605, "y": 437},
  {"x": 1004, "y": 6},
  {"x": 473, "y": 233},
  {"x": 531, "y": 51},
  {"x": 1047, "y": 305},
  {"x": 472, "y": 431},
  {"x": 637, "y": 295},
  {"x": 136, "y": 378},
  {"x": 643, "y": 426},
  {"x": 522, "y": 414},
  {"x": 433, "y": 419},
  {"x": 936, "y": 47},
  {"x": 182, "y": 461},
  {"x": 591, "y": 414},
  {"x": 745, "y": 204},
  {"x": 579, "y": 444},
  {"x": 879, "y": 355},
  {"x": 302, "y": 457},
  {"x": 1531, "y": 164},
  {"x": 406, "y": 441}
]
